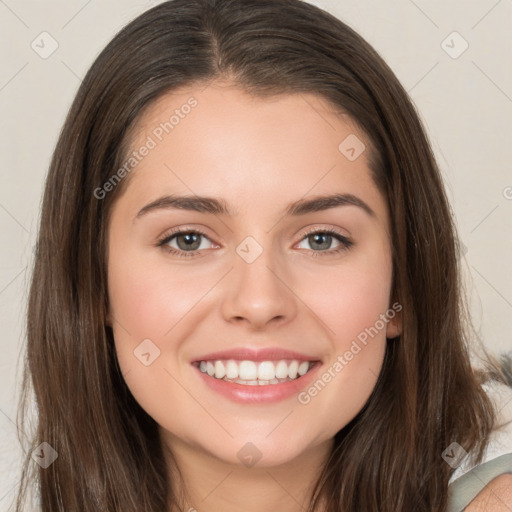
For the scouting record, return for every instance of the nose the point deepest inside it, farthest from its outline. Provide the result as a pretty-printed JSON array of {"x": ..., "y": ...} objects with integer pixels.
[{"x": 258, "y": 293}]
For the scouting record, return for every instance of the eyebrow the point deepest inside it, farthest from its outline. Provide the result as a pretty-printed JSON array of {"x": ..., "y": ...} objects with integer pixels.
[{"x": 215, "y": 206}]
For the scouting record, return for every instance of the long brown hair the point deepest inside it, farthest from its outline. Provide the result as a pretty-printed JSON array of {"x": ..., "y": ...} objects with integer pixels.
[{"x": 110, "y": 458}]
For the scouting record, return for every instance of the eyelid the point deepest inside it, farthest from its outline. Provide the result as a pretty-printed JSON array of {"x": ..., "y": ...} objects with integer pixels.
[
  {"x": 315, "y": 228},
  {"x": 168, "y": 235}
]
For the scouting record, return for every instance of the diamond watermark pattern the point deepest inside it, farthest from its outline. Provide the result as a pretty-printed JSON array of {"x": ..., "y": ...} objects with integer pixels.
[
  {"x": 454, "y": 45},
  {"x": 44, "y": 45},
  {"x": 44, "y": 455},
  {"x": 249, "y": 455},
  {"x": 454, "y": 454},
  {"x": 351, "y": 147},
  {"x": 249, "y": 249},
  {"x": 146, "y": 352}
]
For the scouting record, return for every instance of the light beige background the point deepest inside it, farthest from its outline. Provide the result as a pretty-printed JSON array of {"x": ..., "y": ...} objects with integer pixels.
[{"x": 465, "y": 103}]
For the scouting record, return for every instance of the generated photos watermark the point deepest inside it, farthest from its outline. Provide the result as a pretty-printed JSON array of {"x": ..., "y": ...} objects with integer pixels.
[
  {"x": 305, "y": 397},
  {"x": 157, "y": 135}
]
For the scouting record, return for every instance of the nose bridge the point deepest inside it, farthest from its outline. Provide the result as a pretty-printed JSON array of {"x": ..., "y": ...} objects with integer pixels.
[{"x": 256, "y": 291}]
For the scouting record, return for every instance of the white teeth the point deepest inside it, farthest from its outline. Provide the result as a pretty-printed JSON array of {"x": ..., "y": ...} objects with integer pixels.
[
  {"x": 266, "y": 371},
  {"x": 254, "y": 373},
  {"x": 281, "y": 370},
  {"x": 231, "y": 369},
  {"x": 257, "y": 382},
  {"x": 248, "y": 370},
  {"x": 303, "y": 368},
  {"x": 292, "y": 369},
  {"x": 220, "y": 371}
]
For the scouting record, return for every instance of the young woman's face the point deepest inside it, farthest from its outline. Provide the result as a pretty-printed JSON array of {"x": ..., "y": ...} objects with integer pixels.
[{"x": 248, "y": 274}]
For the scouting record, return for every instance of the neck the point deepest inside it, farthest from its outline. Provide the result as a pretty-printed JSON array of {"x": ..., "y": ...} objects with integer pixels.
[{"x": 209, "y": 484}]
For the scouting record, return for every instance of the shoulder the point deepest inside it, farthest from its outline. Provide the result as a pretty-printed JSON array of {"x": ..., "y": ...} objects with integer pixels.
[{"x": 496, "y": 496}]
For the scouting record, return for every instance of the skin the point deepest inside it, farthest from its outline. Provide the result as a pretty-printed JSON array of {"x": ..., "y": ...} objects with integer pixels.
[
  {"x": 258, "y": 155},
  {"x": 496, "y": 496}
]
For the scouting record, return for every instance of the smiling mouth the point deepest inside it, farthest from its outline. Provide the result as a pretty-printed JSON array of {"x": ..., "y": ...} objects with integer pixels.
[{"x": 255, "y": 373}]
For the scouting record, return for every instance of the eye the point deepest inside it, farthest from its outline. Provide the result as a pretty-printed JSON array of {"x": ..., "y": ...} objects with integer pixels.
[
  {"x": 187, "y": 242},
  {"x": 323, "y": 238}
]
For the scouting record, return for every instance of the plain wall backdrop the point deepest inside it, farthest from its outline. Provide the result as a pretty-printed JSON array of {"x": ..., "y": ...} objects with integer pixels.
[{"x": 453, "y": 57}]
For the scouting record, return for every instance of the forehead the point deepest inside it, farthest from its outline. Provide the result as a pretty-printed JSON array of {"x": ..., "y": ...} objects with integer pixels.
[
  {"x": 222, "y": 103},
  {"x": 218, "y": 140}
]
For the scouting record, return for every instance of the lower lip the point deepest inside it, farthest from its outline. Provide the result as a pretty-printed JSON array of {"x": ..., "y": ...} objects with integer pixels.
[{"x": 257, "y": 394}]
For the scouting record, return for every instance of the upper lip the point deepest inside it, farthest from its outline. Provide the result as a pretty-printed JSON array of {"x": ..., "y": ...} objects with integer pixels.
[{"x": 264, "y": 354}]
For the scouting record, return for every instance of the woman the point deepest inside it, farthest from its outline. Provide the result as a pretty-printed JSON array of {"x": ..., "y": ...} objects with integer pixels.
[{"x": 246, "y": 292}]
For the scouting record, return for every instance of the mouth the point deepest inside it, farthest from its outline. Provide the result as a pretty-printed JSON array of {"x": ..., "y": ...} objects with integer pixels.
[{"x": 255, "y": 373}]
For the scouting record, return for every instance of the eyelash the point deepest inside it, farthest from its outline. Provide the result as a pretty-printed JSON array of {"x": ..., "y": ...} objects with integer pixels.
[{"x": 345, "y": 243}]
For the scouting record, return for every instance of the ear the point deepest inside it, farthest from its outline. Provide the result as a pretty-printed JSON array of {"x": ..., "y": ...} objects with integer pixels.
[{"x": 394, "y": 325}]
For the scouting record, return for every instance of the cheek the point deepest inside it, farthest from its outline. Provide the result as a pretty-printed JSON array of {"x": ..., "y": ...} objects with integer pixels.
[
  {"x": 352, "y": 303},
  {"x": 350, "y": 298},
  {"x": 146, "y": 302},
  {"x": 361, "y": 304},
  {"x": 354, "y": 310},
  {"x": 149, "y": 299}
]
